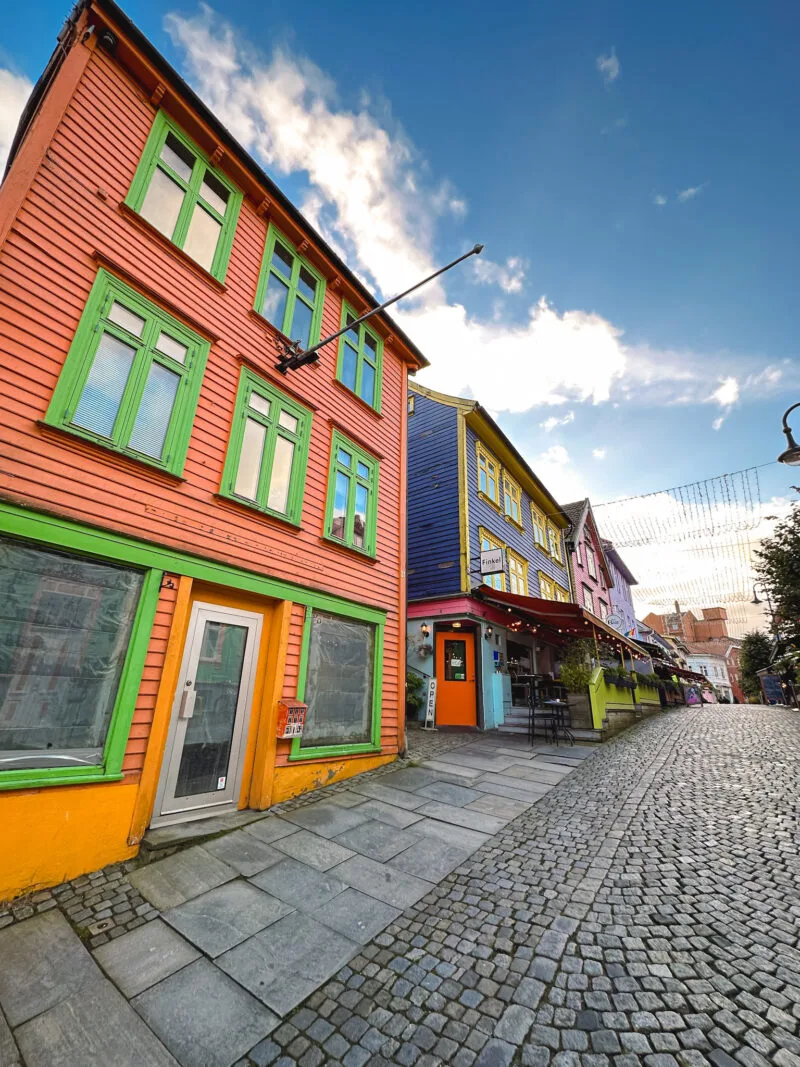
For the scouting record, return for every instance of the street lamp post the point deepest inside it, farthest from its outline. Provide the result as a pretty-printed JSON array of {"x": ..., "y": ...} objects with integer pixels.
[
  {"x": 757, "y": 600},
  {"x": 792, "y": 454}
]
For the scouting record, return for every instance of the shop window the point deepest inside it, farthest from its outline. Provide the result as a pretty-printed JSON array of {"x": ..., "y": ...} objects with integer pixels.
[
  {"x": 65, "y": 628},
  {"x": 351, "y": 515},
  {"x": 512, "y": 500},
  {"x": 538, "y": 523},
  {"x": 339, "y": 685},
  {"x": 131, "y": 378},
  {"x": 360, "y": 357},
  {"x": 488, "y": 475},
  {"x": 488, "y": 542},
  {"x": 179, "y": 192},
  {"x": 517, "y": 574},
  {"x": 268, "y": 450},
  {"x": 291, "y": 292}
]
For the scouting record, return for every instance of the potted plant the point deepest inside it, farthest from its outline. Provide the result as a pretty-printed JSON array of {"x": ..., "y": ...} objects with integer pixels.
[{"x": 576, "y": 667}]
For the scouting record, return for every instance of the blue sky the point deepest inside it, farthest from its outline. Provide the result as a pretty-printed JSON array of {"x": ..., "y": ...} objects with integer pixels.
[{"x": 633, "y": 166}]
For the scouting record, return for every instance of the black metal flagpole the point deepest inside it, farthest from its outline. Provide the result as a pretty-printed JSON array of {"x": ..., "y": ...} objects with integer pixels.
[{"x": 293, "y": 358}]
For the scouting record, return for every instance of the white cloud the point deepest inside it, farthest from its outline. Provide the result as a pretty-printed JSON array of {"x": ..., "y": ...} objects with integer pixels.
[
  {"x": 659, "y": 200},
  {"x": 599, "y": 453},
  {"x": 552, "y": 422},
  {"x": 14, "y": 93},
  {"x": 609, "y": 67},
  {"x": 371, "y": 196},
  {"x": 617, "y": 124},
  {"x": 726, "y": 394},
  {"x": 691, "y": 192},
  {"x": 509, "y": 277},
  {"x": 717, "y": 423},
  {"x": 554, "y": 468}
]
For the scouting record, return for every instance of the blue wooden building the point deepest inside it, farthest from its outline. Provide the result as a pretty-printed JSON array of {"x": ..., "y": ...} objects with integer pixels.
[{"x": 476, "y": 629}]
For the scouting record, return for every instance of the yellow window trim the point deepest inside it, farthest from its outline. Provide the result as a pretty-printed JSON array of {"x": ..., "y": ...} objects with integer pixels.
[
  {"x": 482, "y": 454},
  {"x": 514, "y": 491},
  {"x": 539, "y": 522},
  {"x": 517, "y": 572},
  {"x": 546, "y": 587},
  {"x": 554, "y": 530}
]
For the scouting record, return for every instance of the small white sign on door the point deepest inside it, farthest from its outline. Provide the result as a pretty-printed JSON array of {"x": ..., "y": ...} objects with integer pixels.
[{"x": 221, "y": 783}]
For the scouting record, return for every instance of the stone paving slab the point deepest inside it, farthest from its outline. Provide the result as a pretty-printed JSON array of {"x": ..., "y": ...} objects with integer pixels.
[
  {"x": 95, "y": 1027},
  {"x": 299, "y": 885},
  {"x": 317, "y": 852},
  {"x": 454, "y": 770},
  {"x": 326, "y": 819},
  {"x": 244, "y": 852},
  {"x": 463, "y": 758},
  {"x": 392, "y": 886},
  {"x": 398, "y": 798},
  {"x": 400, "y": 818},
  {"x": 163, "y": 836},
  {"x": 530, "y": 788},
  {"x": 178, "y": 878},
  {"x": 461, "y": 836},
  {"x": 528, "y": 796},
  {"x": 410, "y": 778},
  {"x": 271, "y": 829},
  {"x": 225, "y": 916},
  {"x": 377, "y": 840},
  {"x": 356, "y": 915},
  {"x": 42, "y": 962},
  {"x": 284, "y": 964},
  {"x": 431, "y": 859},
  {"x": 533, "y": 772},
  {"x": 502, "y": 807},
  {"x": 203, "y": 1017},
  {"x": 457, "y": 795},
  {"x": 472, "y": 820},
  {"x": 144, "y": 956},
  {"x": 9, "y": 1055}
]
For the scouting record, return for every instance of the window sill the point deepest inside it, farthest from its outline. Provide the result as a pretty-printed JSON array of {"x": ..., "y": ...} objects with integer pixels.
[
  {"x": 43, "y": 777},
  {"x": 140, "y": 465},
  {"x": 167, "y": 244},
  {"x": 254, "y": 509},
  {"x": 488, "y": 500},
  {"x": 333, "y": 751},
  {"x": 350, "y": 549},
  {"x": 514, "y": 523},
  {"x": 358, "y": 399}
]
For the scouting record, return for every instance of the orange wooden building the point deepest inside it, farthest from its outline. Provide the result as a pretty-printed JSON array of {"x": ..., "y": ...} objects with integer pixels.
[{"x": 189, "y": 537}]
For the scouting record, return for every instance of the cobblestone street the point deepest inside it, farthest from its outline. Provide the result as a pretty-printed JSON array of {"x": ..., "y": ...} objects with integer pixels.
[{"x": 644, "y": 911}]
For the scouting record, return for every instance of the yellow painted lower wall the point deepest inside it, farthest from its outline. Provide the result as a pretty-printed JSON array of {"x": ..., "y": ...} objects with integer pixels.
[
  {"x": 48, "y": 836},
  {"x": 606, "y": 697},
  {"x": 301, "y": 778}
]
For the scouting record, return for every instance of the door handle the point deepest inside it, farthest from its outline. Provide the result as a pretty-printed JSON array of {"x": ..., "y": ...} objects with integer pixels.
[{"x": 186, "y": 709}]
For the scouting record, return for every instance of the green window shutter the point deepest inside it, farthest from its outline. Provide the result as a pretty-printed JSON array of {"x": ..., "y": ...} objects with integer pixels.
[
  {"x": 192, "y": 203},
  {"x": 265, "y": 467},
  {"x": 131, "y": 378},
  {"x": 352, "y": 505},
  {"x": 360, "y": 360},
  {"x": 290, "y": 292}
]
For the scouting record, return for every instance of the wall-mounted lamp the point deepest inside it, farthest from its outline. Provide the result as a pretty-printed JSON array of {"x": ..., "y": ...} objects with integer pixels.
[
  {"x": 425, "y": 630},
  {"x": 489, "y": 632},
  {"x": 456, "y": 625}
]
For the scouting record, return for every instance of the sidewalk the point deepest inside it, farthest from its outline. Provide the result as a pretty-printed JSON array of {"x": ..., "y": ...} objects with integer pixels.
[{"x": 234, "y": 933}]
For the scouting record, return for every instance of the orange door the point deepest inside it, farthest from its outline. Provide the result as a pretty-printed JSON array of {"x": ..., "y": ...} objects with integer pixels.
[{"x": 455, "y": 680}]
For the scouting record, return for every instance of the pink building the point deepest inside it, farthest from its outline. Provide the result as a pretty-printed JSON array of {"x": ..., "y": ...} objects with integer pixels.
[{"x": 592, "y": 583}]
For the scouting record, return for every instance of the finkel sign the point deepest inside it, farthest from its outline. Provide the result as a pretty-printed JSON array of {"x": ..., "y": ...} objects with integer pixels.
[{"x": 492, "y": 561}]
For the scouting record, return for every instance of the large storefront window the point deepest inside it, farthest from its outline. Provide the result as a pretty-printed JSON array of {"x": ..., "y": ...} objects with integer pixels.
[
  {"x": 65, "y": 626},
  {"x": 339, "y": 682}
]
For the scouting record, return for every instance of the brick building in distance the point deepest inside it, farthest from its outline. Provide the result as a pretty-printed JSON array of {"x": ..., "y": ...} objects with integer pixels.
[{"x": 707, "y": 634}]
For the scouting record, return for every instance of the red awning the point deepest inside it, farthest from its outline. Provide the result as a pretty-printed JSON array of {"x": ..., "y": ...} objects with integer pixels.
[{"x": 571, "y": 618}]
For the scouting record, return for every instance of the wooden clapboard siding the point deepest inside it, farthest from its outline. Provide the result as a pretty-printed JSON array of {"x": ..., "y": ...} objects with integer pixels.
[
  {"x": 434, "y": 548},
  {"x": 71, "y": 222},
  {"x": 520, "y": 541}
]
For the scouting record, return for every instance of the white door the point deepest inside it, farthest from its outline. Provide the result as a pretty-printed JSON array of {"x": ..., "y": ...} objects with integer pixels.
[{"x": 202, "y": 769}]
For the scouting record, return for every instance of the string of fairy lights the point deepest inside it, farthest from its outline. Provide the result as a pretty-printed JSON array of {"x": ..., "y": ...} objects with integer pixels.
[{"x": 700, "y": 540}]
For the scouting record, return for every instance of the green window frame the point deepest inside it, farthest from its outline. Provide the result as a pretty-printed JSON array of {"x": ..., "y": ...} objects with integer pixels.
[
  {"x": 130, "y": 676},
  {"x": 131, "y": 378},
  {"x": 172, "y": 166},
  {"x": 374, "y": 743},
  {"x": 351, "y": 514},
  {"x": 291, "y": 292},
  {"x": 360, "y": 362},
  {"x": 265, "y": 467}
]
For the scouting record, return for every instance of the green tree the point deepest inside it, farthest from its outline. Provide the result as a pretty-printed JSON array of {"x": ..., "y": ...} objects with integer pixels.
[
  {"x": 754, "y": 655},
  {"x": 778, "y": 567}
]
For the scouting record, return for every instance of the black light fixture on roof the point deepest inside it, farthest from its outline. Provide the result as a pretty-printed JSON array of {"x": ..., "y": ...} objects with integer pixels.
[
  {"x": 292, "y": 356},
  {"x": 792, "y": 454}
]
